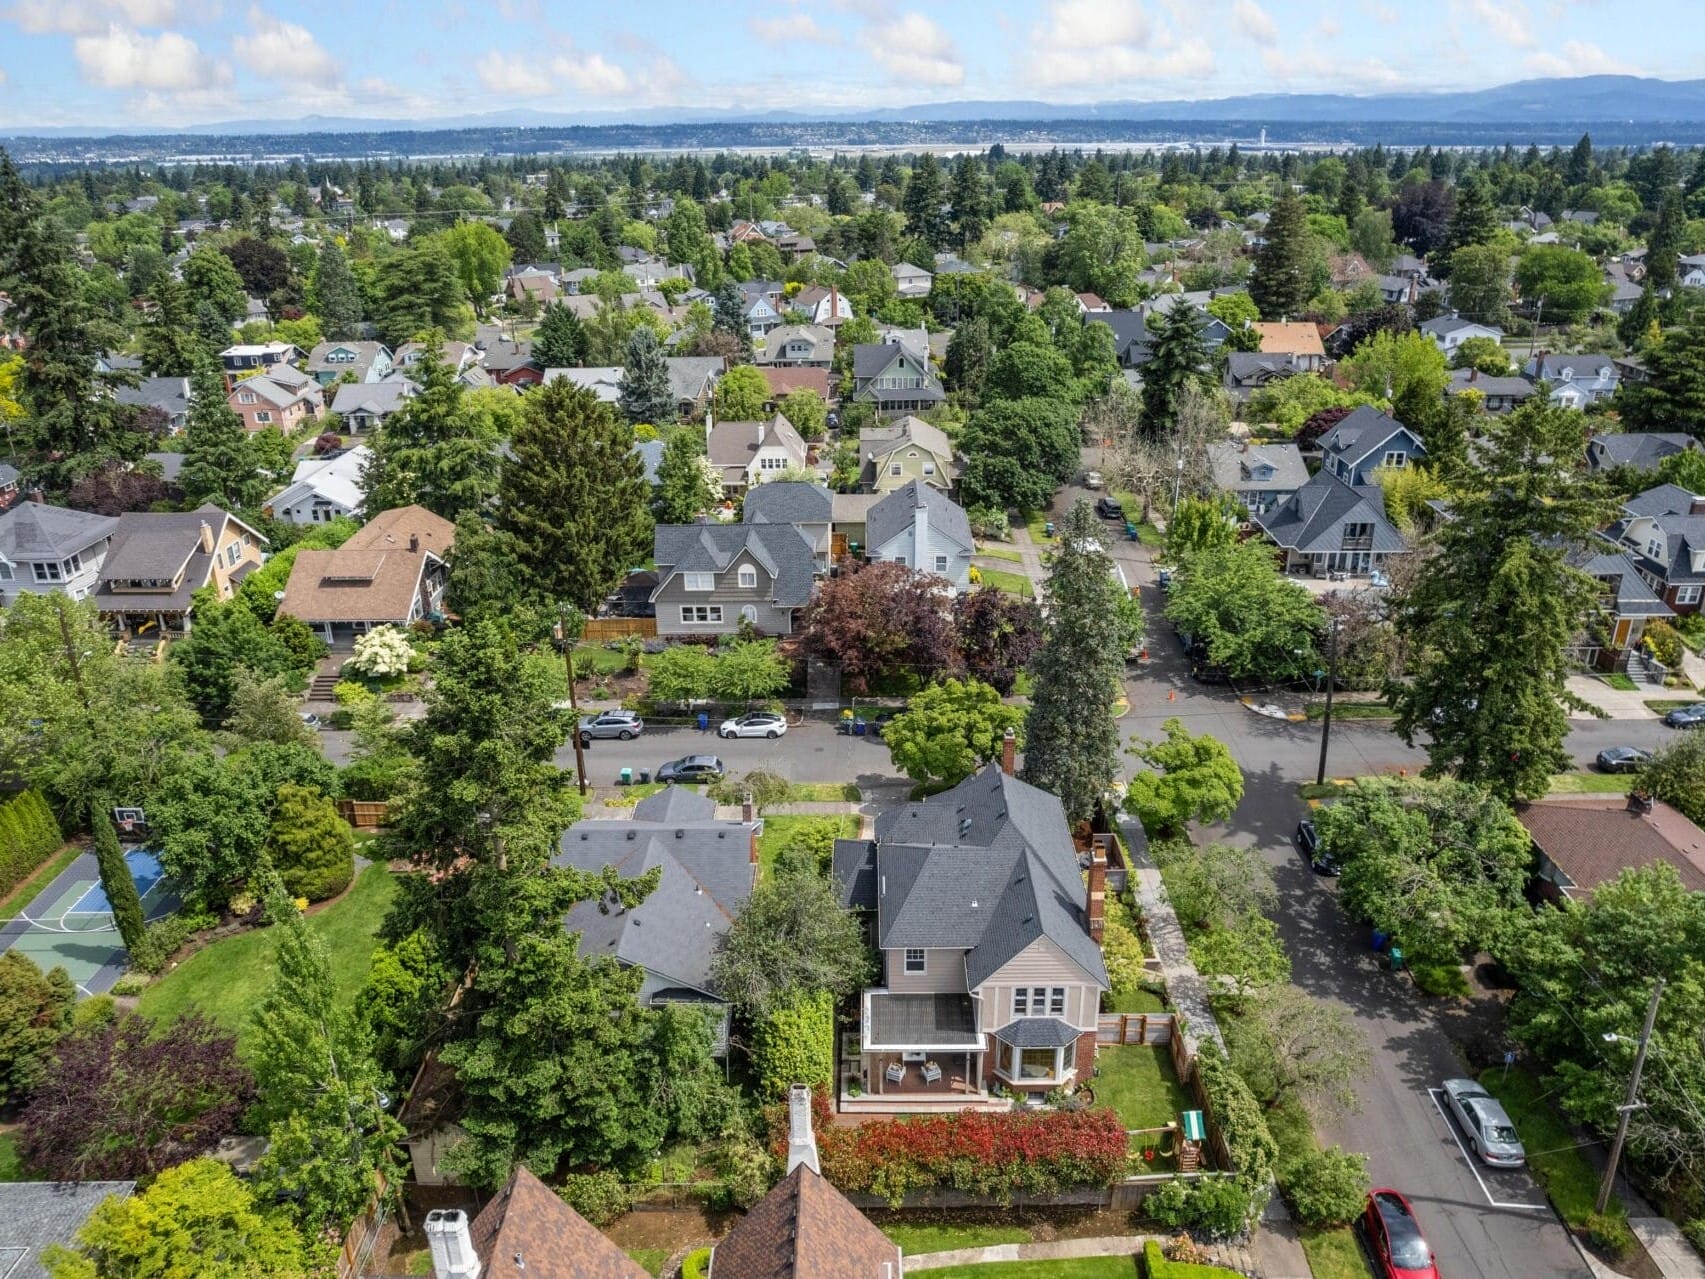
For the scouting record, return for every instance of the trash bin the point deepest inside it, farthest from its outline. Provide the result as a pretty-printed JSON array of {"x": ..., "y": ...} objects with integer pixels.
[
  {"x": 644, "y": 776},
  {"x": 859, "y": 727},
  {"x": 704, "y": 722},
  {"x": 1396, "y": 954},
  {"x": 1130, "y": 531},
  {"x": 1048, "y": 529},
  {"x": 625, "y": 777},
  {"x": 1379, "y": 940}
]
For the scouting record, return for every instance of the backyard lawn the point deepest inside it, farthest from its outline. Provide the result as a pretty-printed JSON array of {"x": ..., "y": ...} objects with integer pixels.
[
  {"x": 1590, "y": 783},
  {"x": 1012, "y": 583},
  {"x": 1134, "y": 999},
  {"x": 917, "y": 1240},
  {"x": 225, "y": 979},
  {"x": 1138, "y": 1081},
  {"x": 1080, "y": 1268}
]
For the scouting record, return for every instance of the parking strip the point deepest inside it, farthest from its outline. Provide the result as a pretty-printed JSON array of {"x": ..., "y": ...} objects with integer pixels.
[{"x": 1473, "y": 1163}]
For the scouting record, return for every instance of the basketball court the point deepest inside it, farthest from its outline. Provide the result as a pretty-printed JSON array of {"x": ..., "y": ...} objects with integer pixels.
[{"x": 69, "y": 925}]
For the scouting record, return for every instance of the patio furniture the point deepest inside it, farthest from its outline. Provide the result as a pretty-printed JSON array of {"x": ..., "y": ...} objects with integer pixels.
[
  {"x": 932, "y": 1072},
  {"x": 896, "y": 1073}
]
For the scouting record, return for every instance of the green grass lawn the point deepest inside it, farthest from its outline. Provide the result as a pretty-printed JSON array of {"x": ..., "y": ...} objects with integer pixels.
[
  {"x": 26, "y": 893},
  {"x": 650, "y": 1260},
  {"x": 1007, "y": 553},
  {"x": 1584, "y": 783},
  {"x": 224, "y": 980},
  {"x": 1351, "y": 710},
  {"x": 1012, "y": 583},
  {"x": 1662, "y": 704},
  {"x": 11, "y": 1166},
  {"x": 1080, "y": 1268},
  {"x": 1333, "y": 1253},
  {"x": 1037, "y": 523},
  {"x": 823, "y": 793},
  {"x": 1620, "y": 682},
  {"x": 780, "y": 831},
  {"x": 1552, "y": 1150},
  {"x": 1440, "y": 979},
  {"x": 916, "y": 1240},
  {"x": 1138, "y": 1081},
  {"x": 1135, "y": 999}
]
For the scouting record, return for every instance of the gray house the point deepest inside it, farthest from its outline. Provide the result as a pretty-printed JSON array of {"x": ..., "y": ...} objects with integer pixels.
[
  {"x": 1328, "y": 526},
  {"x": 364, "y": 406},
  {"x": 35, "y": 1215},
  {"x": 1498, "y": 394},
  {"x": 895, "y": 377},
  {"x": 1261, "y": 475},
  {"x": 1642, "y": 450},
  {"x": 707, "y": 871},
  {"x": 168, "y": 395},
  {"x": 367, "y": 361},
  {"x": 807, "y": 507},
  {"x": 1576, "y": 380},
  {"x": 1133, "y": 331},
  {"x": 800, "y": 346},
  {"x": 1248, "y": 371},
  {"x": 712, "y": 577},
  {"x": 692, "y": 381},
  {"x": 1365, "y": 441},
  {"x": 51, "y": 548},
  {"x": 921, "y": 527}
]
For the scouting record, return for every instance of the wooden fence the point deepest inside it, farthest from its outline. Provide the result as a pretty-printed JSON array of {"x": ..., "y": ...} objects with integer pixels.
[
  {"x": 600, "y": 629},
  {"x": 1135, "y": 1028},
  {"x": 363, "y": 814}
]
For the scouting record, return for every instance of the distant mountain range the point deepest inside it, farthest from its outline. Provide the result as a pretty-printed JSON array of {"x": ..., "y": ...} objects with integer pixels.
[{"x": 1584, "y": 100}]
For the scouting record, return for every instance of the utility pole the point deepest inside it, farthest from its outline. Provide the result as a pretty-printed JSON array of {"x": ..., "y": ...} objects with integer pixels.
[
  {"x": 1629, "y": 1105},
  {"x": 1326, "y": 719},
  {"x": 563, "y": 634}
]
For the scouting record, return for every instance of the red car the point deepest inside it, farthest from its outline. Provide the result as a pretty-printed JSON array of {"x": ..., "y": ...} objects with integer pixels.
[{"x": 1394, "y": 1236}]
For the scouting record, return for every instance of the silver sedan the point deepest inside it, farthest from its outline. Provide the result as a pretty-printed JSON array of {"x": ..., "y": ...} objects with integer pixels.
[{"x": 1491, "y": 1135}]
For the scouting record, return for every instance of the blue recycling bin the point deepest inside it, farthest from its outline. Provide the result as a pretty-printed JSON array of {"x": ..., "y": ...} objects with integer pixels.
[
  {"x": 704, "y": 722},
  {"x": 1379, "y": 940},
  {"x": 860, "y": 728}
]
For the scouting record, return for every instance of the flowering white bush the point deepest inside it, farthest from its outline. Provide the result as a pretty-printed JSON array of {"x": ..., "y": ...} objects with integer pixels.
[{"x": 382, "y": 652}]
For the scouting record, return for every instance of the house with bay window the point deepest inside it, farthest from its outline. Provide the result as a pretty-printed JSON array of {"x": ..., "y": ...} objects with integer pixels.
[
  {"x": 1663, "y": 531},
  {"x": 896, "y": 376},
  {"x": 51, "y": 548},
  {"x": 990, "y": 944}
]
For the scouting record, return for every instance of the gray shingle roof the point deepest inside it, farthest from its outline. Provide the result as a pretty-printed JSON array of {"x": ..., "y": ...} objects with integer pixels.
[
  {"x": 168, "y": 394},
  {"x": 156, "y": 544},
  {"x": 689, "y": 373},
  {"x": 733, "y": 445},
  {"x": 34, "y": 1214},
  {"x": 1360, "y": 435},
  {"x": 1633, "y": 597},
  {"x": 1663, "y": 499},
  {"x": 897, "y": 512},
  {"x": 36, "y": 531},
  {"x": 710, "y": 548},
  {"x": 650, "y": 454},
  {"x": 1234, "y": 468},
  {"x": 789, "y": 502},
  {"x": 1037, "y": 1032},
  {"x": 379, "y": 398},
  {"x": 1310, "y": 521},
  {"x": 1513, "y": 385},
  {"x": 1244, "y": 366},
  {"x": 675, "y": 805},
  {"x": 1641, "y": 449},
  {"x": 8, "y": 474},
  {"x": 987, "y": 867}
]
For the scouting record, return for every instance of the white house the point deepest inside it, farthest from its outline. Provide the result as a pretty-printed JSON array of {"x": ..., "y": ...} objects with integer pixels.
[
  {"x": 911, "y": 281},
  {"x": 322, "y": 489},
  {"x": 1449, "y": 331}
]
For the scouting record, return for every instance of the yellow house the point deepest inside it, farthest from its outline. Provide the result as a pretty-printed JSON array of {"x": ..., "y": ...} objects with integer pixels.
[
  {"x": 159, "y": 560},
  {"x": 908, "y": 449}
]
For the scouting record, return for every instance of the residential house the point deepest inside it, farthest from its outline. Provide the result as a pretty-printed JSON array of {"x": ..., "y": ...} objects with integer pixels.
[
  {"x": 1582, "y": 217},
  {"x": 707, "y": 870},
  {"x": 828, "y": 307},
  {"x": 1091, "y": 304},
  {"x": 1331, "y": 526},
  {"x": 391, "y": 573},
  {"x": 1627, "y": 604},
  {"x": 1349, "y": 270},
  {"x": 911, "y": 281},
  {"x": 746, "y": 452},
  {"x": 458, "y": 355},
  {"x": 904, "y": 450},
  {"x": 784, "y": 379},
  {"x": 171, "y": 466},
  {"x": 168, "y": 396},
  {"x": 1133, "y": 339},
  {"x": 511, "y": 363},
  {"x": 364, "y": 361},
  {"x": 692, "y": 381},
  {"x": 257, "y": 357},
  {"x": 38, "y": 1215},
  {"x": 800, "y": 345},
  {"x": 794, "y": 245},
  {"x": 850, "y": 511},
  {"x": 1663, "y": 530},
  {"x": 650, "y": 273},
  {"x": 525, "y": 1231},
  {"x": 51, "y": 548},
  {"x": 366, "y": 406},
  {"x": 537, "y": 283},
  {"x": 920, "y": 526},
  {"x": 991, "y": 967},
  {"x": 8, "y": 485},
  {"x": 1298, "y": 341},
  {"x": 1691, "y": 271},
  {"x": 1498, "y": 394},
  {"x": 1260, "y": 475},
  {"x": 1583, "y": 841},
  {"x": 604, "y": 381},
  {"x": 760, "y": 315},
  {"x": 1363, "y": 442},
  {"x": 807, "y": 507},
  {"x": 711, "y": 578},
  {"x": 322, "y": 489},
  {"x": 1450, "y": 331},
  {"x": 1642, "y": 450},
  {"x": 1625, "y": 290},
  {"x": 1246, "y": 372},
  {"x": 1576, "y": 380},
  {"x": 576, "y": 280},
  {"x": 158, "y": 560},
  {"x": 804, "y": 1228},
  {"x": 896, "y": 377},
  {"x": 265, "y": 400}
]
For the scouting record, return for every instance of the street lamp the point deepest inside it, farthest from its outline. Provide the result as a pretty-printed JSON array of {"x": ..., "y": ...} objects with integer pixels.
[{"x": 1326, "y": 719}]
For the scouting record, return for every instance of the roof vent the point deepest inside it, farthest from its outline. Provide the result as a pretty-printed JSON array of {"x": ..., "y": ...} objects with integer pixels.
[
  {"x": 964, "y": 826},
  {"x": 584, "y": 837},
  {"x": 974, "y": 903},
  {"x": 680, "y": 834},
  {"x": 630, "y": 836}
]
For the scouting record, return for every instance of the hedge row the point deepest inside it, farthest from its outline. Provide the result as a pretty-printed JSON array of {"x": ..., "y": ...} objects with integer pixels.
[
  {"x": 29, "y": 835},
  {"x": 989, "y": 1153}
]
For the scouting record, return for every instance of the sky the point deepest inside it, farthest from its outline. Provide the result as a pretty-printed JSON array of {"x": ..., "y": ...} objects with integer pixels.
[{"x": 113, "y": 63}]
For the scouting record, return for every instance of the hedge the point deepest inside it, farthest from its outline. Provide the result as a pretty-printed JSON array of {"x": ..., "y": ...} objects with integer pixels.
[
  {"x": 29, "y": 835},
  {"x": 795, "y": 1044},
  {"x": 993, "y": 1153}
]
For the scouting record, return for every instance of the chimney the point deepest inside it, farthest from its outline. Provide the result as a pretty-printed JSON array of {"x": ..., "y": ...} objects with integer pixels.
[
  {"x": 37, "y": 496},
  {"x": 921, "y": 558},
  {"x": 762, "y": 426},
  {"x": 707, "y": 426},
  {"x": 207, "y": 537},
  {"x": 452, "y": 1245},
  {"x": 1096, "y": 909},
  {"x": 801, "y": 1142},
  {"x": 1695, "y": 507},
  {"x": 1009, "y": 751},
  {"x": 414, "y": 543},
  {"x": 1473, "y": 375}
]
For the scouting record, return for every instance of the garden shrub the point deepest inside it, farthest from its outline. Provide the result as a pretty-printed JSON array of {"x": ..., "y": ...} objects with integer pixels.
[
  {"x": 989, "y": 522},
  {"x": 1212, "y": 1206},
  {"x": 29, "y": 835},
  {"x": 159, "y": 944},
  {"x": 746, "y": 1170},
  {"x": 1663, "y": 642},
  {"x": 1156, "y": 1265},
  {"x": 1325, "y": 1187},
  {"x": 1242, "y": 1124},
  {"x": 1695, "y": 1232},
  {"x": 310, "y": 845},
  {"x": 1122, "y": 949},
  {"x": 795, "y": 1043},
  {"x": 383, "y": 652},
  {"x": 1610, "y": 1234},
  {"x": 96, "y": 1010},
  {"x": 129, "y": 984},
  {"x": 600, "y": 1197},
  {"x": 696, "y": 1264}
]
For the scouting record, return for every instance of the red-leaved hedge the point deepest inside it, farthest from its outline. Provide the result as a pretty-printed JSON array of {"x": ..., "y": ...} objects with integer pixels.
[{"x": 992, "y": 1153}]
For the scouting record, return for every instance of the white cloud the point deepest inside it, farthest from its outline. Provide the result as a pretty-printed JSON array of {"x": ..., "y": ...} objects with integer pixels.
[
  {"x": 124, "y": 59},
  {"x": 1328, "y": 28},
  {"x": 793, "y": 28},
  {"x": 1382, "y": 12},
  {"x": 1507, "y": 24},
  {"x": 88, "y": 17},
  {"x": 513, "y": 73},
  {"x": 1102, "y": 41},
  {"x": 592, "y": 74},
  {"x": 1577, "y": 57},
  {"x": 1303, "y": 64},
  {"x": 284, "y": 50},
  {"x": 1089, "y": 24},
  {"x": 912, "y": 48},
  {"x": 580, "y": 72},
  {"x": 1256, "y": 22}
]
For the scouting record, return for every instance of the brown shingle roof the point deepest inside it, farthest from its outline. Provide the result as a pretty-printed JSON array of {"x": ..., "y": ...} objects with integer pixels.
[
  {"x": 393, "y": 527},
  {"x": 1289, "y": 339},
  {"x": 788, "y": 378},
  {"x": 528, "y": 1233},
  {"x": 805, "y": 1229},
  {"x": 1592, "y": 839},
  {"x": 373, "y": 576}
]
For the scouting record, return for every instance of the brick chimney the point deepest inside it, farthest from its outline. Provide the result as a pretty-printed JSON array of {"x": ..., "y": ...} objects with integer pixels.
[
  {"x": 414, "y": 543},
  {"x": 207, "y": 537},
  {"x": 37, "y": 496},
  {"x": 1009, "y": 752},
  {"x": 1096, "y": 907},
  {"x": 1695, "y": 507}
]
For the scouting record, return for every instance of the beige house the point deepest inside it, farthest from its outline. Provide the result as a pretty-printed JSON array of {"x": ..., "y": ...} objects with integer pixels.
[
  {"x": 748, "y": 453},
  {"x": 158, "y": 560},
  {"x": 907, "y": 449},
  {"x": 1298, "y": 340}
]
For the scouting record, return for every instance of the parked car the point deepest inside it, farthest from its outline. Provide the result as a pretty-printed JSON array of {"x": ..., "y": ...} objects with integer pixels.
[
  {"x": 624, "y": 725},
  {"x": 312, "y": 720},
  {"x": 1320, "y": 859},
  {"x": 757, "y": 724},
  {"x": 1623, "y": 759},
  {"x": 1491, "y": 1135},
  {"x": 1687, "y": 716},
  {"x": 1394, "y": 1237},
  {"x": 691, "y": 768},
  {"x": 1092, "y": 479},
  {"x": 1108, "y": 509}
]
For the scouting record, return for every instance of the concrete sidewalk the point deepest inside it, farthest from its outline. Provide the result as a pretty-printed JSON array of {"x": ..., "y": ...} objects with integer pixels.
[
  {"x": 1616, "y": 703},
  {"x": 1669, "y": 1251}
]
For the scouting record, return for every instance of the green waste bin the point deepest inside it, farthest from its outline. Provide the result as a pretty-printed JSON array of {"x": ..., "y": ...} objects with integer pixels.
[{"x": 1396, "y": 953}]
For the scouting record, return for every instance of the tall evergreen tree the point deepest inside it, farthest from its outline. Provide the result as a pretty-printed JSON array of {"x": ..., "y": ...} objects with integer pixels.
[
  {"x": 685, "y": 488},
  {"x": 1664, "y": 245},
  {"x": 560, "y": 340},
  {"x": 646, "y": 396},
  {"x": 1672, "y": 397},
  {"x": 1180, "y": 357},
  {"x": 432, "y": 451},
  {"x": 1280, "y": 282},
  {"x": 728, "y": 316},
  {"x": 1475, "y": 220},
  {"x": 968, "y": 353},
  {"x": 168, "y": 342},
  {"x": 1493, "y": 617},
  {"x": 1071, "y": 738},
  {"x": 573, "y": 497},
  {"x": 336, "y": 293},
  {"x": 219, "y": 458},
  {"x": 116, "y": 880},
  {"x": 970, "y": 200},
  {"x": 924, "y": 196}
]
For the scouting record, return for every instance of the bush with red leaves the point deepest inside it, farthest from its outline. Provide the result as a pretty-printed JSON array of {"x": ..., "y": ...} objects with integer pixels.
[
  {"x": 330, "y": 442},
  {"x": 130, "y": 1098},
  {"x": 112, "y": 490}
]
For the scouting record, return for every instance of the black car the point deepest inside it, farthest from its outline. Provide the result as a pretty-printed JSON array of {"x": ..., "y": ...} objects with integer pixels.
[
  {"x": 691, "y": 768},
  {"x": 1108, "y": 509},
  {"x": 1687, "y": 716},
  {"x": 1623, "y": 759},
  {"x": 1319, "y": 858}
]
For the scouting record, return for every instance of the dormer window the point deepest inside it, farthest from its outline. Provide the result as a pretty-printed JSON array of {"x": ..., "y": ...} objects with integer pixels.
[
  {"x": 699, "y": 581},
  {"x": 748, "y": 577}
]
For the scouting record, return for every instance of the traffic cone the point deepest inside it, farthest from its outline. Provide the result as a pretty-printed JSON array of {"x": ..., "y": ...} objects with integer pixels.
[{"x": 1172, "y": 694}]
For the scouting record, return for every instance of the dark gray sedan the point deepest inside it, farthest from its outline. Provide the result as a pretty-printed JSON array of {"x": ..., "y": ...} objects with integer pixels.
[
  {"x": 1622, "y": 759},
  {"x": 1687, "y": 716}
]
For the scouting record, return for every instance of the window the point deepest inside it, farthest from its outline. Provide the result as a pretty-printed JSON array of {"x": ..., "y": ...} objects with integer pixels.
[
  {"x": 894, "y": 468},
  {"x": 1687, "y": 595},
  {"x": 263, "y": 417},
  {"x": 1057, "y": 1002},
  {"x": 46, "y": 572},
  {"x": 772, "y": 464},
  {"x": 1038, "y": 1063},
  {"x": 914, "y": 959},
  {"x": 1655, "y": 550},
  {"x": 941, "y": 563},
  {"x": 232, "y": 553},
  {"x": 748, "y": 577},
  {"x": 701, "y": 614},
  {"x": 929, "y": 468},
  {"x": 748, "y": 614},
  {"x": 698, "y": 581},
  {"x": 245, "y": 397},
  {"x": 5, "y": 571},
  {"x": 900, "y": 559},
  {"x": 1396, "y": 457},
  {"x": 74, "y": 565},
  {"x": 1020, "y": 1001}
]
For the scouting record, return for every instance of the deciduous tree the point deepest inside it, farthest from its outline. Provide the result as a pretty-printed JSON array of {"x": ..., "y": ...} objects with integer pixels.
[
  {"x": 1196, "y": 780},
  {"x": 790, "y": 936},
  {"x": 1243, "y": 615},
  {"x": 881, "y": 620},
  {"x": 741, "y": 394},
  {"x": 35, "y": 1011},
  {"x": 949, "y": 730},
  {"x": 997, "y": 635}
]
